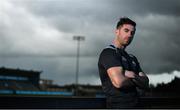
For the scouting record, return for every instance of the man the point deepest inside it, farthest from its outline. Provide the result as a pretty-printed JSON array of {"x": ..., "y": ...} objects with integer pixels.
[{"x": 120, "y": 72}]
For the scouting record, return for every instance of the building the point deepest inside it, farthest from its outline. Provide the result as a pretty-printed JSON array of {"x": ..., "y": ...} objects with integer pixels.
[
  {"x": 16, "y": 79},
  {"x": 24, "y": 82}
]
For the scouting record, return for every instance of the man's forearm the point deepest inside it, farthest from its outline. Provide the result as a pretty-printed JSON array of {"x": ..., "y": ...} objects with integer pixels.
[{"x": 127, "y": 82}]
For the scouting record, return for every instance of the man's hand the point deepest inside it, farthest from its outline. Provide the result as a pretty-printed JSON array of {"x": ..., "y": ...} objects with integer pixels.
[
  {"x": 130, "y": 74},
  {"x": 140, "y": 80}
]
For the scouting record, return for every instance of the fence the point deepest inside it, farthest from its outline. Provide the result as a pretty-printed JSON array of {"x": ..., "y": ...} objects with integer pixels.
[{"x": 41, "y": 102}]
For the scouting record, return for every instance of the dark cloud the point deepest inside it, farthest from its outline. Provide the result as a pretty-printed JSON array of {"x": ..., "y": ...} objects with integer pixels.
[
  {"x": 145, "y": 7},
  {"x": 38, "y": 34},
  {"x": 159, "y": 34}
]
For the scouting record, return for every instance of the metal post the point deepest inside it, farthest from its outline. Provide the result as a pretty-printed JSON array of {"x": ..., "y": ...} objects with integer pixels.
[{"x": 78, "y": 38}]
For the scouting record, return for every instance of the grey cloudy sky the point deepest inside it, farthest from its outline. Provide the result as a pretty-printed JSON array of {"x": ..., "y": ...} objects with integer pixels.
[{"x": 38, "y": 35}]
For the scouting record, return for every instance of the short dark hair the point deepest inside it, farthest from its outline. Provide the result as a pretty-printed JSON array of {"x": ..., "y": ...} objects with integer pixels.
[{"x": 125, "y": 20}]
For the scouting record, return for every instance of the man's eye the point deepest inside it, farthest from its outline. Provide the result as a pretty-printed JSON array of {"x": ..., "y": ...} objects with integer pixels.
[
  {"x": 132, "y": 33},
  {"x": 126, "y": 30}
]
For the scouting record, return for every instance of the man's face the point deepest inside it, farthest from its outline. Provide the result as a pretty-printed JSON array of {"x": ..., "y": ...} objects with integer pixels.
[{"x": 125, "y": 34}]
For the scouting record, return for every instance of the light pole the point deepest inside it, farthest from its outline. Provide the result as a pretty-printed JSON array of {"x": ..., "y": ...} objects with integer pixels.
[{"x": 78, "y": 38}]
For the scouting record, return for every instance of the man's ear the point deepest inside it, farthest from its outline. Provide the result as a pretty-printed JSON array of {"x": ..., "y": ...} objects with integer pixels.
[{"x": 116, "y": 31}]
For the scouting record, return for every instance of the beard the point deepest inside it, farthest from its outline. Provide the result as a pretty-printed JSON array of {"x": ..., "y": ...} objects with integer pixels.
[{"x": 127, "y": 41}]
